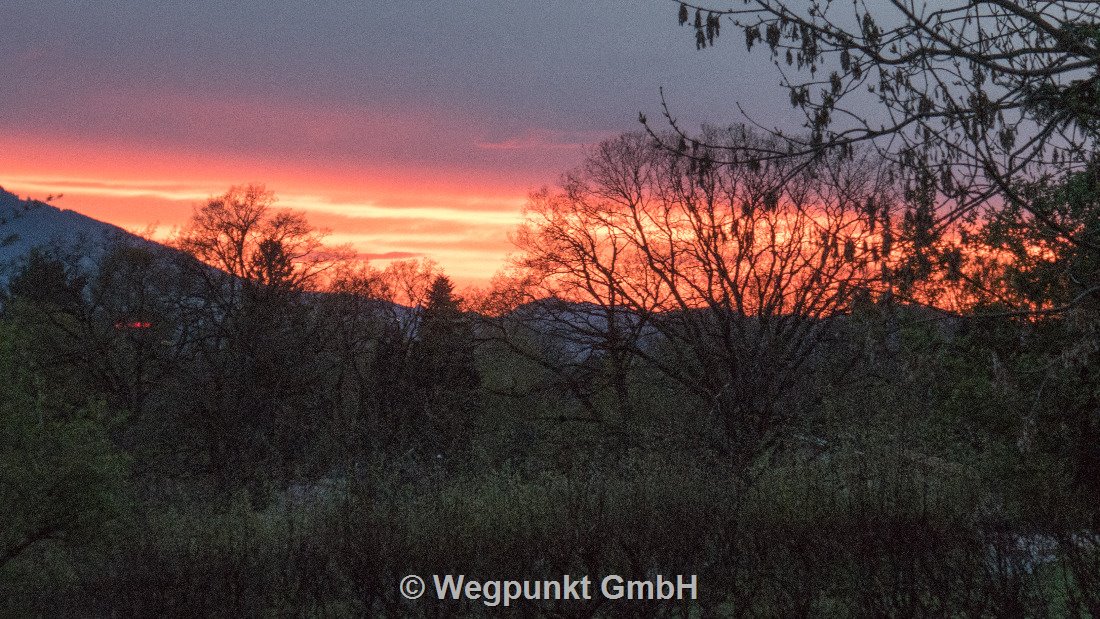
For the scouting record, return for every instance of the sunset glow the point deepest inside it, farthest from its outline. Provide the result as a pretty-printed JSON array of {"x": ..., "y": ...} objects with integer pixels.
[
  {"x": 463, "y": 226},
  {"x": 417, "y": 140},
  {"x": 352, "y": 308}
]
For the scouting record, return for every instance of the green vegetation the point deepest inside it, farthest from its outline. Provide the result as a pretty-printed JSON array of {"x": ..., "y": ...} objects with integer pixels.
[
  {"x": 854, "y": 372},
  {"x": 178, "y": 442}
]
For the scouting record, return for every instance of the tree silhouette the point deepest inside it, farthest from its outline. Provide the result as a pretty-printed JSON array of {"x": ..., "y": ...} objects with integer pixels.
[
  {"x": 740, "y": 281},
  {"x": 970, "y": 100},
  {"x": 45, "y": 280},
  {"x": 443, "y": 362},
  {"x": 258, "y": 361}
]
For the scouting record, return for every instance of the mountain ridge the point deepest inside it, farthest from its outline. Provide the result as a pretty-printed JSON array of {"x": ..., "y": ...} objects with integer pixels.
[{"x": 27, "y": 223}]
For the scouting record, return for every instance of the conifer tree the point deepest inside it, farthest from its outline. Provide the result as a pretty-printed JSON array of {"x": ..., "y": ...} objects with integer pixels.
[{"x": 447, "y": 379}]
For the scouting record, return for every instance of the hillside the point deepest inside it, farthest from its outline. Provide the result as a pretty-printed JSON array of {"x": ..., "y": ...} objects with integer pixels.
[{"x": 28, "y": 223}]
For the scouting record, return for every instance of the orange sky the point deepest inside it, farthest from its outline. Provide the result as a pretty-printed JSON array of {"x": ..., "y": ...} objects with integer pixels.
[
  {"x": 459, "y": 220},
  {"x": 406, "y": 130}
]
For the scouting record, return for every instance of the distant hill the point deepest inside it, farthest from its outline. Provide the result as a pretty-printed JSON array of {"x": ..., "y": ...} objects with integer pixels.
[{"x": 26, "y": 224}]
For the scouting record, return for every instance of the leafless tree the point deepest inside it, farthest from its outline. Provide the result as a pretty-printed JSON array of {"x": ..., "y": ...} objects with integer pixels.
[
  {"x": 739, "y": 278},
  {"x": 257, "y": 362}
]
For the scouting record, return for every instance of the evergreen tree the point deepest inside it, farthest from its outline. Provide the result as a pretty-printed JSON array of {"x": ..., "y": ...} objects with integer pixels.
[
  {"x": 446, "y": 379},
  {"x": 47, "y": 282}
]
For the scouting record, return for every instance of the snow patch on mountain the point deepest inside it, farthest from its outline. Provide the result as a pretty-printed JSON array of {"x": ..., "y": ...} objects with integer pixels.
[{"x": 26, "y": 224}]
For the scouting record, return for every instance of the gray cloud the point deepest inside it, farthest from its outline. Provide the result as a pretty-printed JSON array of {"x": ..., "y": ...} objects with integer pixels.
[{"x": 393, "y": 83}]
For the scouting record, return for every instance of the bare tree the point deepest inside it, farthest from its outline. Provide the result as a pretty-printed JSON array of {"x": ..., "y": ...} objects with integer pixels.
[
  {"x": 241, "y": 234},
  {"x": 257, "y": 361},
  {"x": 740, "y": 280}
]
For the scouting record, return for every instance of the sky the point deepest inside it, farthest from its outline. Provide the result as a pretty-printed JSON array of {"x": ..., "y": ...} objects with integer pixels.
[{"x": 406, "y": 130}]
